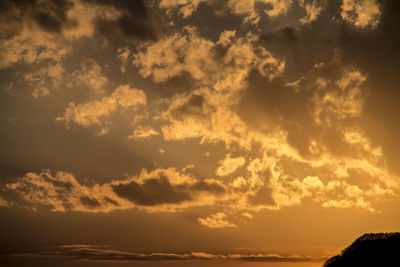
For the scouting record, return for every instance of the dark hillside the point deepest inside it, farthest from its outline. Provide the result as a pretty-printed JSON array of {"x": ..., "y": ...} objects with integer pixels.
[{"x": 382, "y": 249}]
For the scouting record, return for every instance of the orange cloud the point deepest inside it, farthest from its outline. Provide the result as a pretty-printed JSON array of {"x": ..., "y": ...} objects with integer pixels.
[
  {"x": 216, "y": 220},
  {"x": 91, "y": 76},
  {"x": 229, "y": 165},
  {"x": 158, "y": 190},
  {"x": 97, "y": 112},
  {"x": 365, "y": 13}
]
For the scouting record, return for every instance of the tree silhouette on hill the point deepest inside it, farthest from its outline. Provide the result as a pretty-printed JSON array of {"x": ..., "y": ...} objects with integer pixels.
[{"x": 380, "y": 249}]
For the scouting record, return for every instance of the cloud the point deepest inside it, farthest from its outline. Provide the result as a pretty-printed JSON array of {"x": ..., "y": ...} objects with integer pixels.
[
  {"x": 344, "y": 102},
  {"x": 216, "y": 220},
  {"x": 189, "y": 52},
  {"x": 305, "y": 122},
  {"x": 60, "y": 192},
  {"x": 151, "y": 192},
  {"x": 84, "y": 15},
  {"x": 135, "y": 23},
  {"x": 158, "y": 190},
  {"x": 143, "y": 132},
  {"x": 98, "y": 112},
  {"x": 229, "y": 165},
  {"x": 294, "y": 109},
  {"x": 312, "y": 182},
  {"x": 195, "y": 105},
  {"x": 312, "y": 8},
  {"x": 123, "y": 55},
  {"x": 91, "y": 76},
  {"x": 268, "y": 184},
  {"x": 161, "y": 59},
  {"x": 377, "y": 58},
  {"x": 163, "y": 187},
  {"x": 41, "y": 35},
  {"x": 338, "y": 194},
  {"x": 365, "y": 13},
  {"x": 45, "y": 78},
  {"x": 4, "y": 203},
  {"x": 208, "y": 127},
  {"x": 279, "y": 7},
  {"x": 244, "y": 8},
  {"x": 186, "y": 7},
  {"x": 49, "y": 16},
  {"x": 204, "y": 112},
  {"x": 31, "y": 46},
  {"x": 37, "y": 32},
  {"x": 105, "y": 253}
]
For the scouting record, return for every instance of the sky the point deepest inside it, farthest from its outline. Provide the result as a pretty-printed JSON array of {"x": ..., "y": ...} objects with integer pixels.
[{"x": 197, "y": 130}]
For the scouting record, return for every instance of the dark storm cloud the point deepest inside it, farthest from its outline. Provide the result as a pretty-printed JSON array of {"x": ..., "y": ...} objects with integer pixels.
[{"x": 136, "y": 22}]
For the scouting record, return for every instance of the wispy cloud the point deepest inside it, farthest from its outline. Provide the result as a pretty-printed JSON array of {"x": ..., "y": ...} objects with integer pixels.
[{"x": 95, "y": 253}]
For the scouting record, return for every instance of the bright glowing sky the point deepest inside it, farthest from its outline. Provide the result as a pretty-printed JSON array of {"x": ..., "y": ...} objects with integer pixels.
[{"x": 200, "y": 129}]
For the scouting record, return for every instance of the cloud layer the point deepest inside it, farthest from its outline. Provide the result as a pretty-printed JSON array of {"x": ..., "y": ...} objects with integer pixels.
[{"x": 104, "y": 254}]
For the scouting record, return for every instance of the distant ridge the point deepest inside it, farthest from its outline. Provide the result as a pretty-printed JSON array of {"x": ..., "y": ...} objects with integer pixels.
[{"x": 379, "y": 249}]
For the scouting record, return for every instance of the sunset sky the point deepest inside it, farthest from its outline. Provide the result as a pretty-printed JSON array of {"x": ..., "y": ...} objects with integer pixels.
[{"x": 218, "y": 130}]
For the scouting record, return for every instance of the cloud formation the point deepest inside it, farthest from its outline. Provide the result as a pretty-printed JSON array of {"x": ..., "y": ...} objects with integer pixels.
[
  {"x": 361, "y": 13},
  {"x": 217, "y": 220},
  {"x": 97, "y": 112},
  {"x": 90, "y": 75},
  {"x": 247, "y": 9},
  {"x": 136, "y": 21},
  {"x": 95, "y": 253},
  {"x": 158, "y": 190},
  {"x": 303, "y": 140},
  {"x": 229, "y": 165}
]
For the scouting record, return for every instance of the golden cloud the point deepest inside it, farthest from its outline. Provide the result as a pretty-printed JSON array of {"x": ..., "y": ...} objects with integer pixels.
[
  {"x": 365, "y": 13},
  {"x": 217, "y": 220},
  {"x": 97, "y": 112}
]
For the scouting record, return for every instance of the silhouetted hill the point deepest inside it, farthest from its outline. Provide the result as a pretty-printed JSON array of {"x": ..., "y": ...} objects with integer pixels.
[{"x": 381, "y": 250}]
